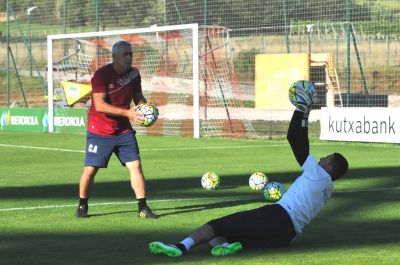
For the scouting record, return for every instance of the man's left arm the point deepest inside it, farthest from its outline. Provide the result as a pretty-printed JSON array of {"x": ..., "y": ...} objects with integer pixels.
[
  {"x": 297, "y": 135},
  {"x": 138, "y": 97},
  {"x": 298, "y": 128}
]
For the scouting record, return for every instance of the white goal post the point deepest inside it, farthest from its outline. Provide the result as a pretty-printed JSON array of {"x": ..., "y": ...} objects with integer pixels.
[{"x": 193, "y": 28}]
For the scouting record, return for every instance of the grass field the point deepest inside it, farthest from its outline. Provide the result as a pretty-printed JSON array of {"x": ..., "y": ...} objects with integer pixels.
[{"x": 39, "y": 176}]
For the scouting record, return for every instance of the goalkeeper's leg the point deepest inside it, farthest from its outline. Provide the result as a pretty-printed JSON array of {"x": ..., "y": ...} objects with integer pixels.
[
  {"x": 170, "y": 250},
  {"x": 260, "y": 227},
  {"x": 198, "y": 236},
  {"x": 221, "y": 247}
]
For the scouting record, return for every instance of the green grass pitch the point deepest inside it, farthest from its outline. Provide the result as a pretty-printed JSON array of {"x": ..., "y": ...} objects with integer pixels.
[{"x": 39, "y": 177}]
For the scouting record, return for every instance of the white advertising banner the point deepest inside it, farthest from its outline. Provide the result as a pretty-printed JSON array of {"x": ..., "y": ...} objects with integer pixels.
[{"x": 361, "y": 124}]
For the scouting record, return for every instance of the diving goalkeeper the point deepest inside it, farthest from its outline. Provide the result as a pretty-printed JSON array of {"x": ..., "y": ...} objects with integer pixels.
[{"x": 273, "y": 225}]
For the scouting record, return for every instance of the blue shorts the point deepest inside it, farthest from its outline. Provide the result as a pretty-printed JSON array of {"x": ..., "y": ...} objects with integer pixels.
[{"x": 100, "y": 148}]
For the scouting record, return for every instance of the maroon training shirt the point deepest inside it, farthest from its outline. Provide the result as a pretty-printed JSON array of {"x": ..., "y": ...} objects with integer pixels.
[{"x": 119, "y": 91}]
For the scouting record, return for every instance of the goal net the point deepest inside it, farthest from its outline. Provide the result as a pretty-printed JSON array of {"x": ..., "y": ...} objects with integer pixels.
[{"x": 185, "y": 72}]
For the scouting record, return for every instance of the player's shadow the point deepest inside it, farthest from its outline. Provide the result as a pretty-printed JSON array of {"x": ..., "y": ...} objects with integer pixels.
[
  {"x": 184, "y": 187},
  {"x": 205, "y": 206},
  {"x": 110, "y": 213},
  {"x": 230, "y": 187},
  {"x": 185, "y": 208}
]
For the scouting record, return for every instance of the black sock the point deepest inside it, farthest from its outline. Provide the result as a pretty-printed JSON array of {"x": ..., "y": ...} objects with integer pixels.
[
  {"x": 181, "y": 247},
  {"x": 142, "y": 203},
  {"x": 83, "y": 201}
]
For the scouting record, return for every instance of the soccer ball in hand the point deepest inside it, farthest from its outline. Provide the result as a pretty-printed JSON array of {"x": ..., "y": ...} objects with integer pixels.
[
  {"x": 149, "y": 114},
  {"x": 257, "y": 181},
  {"x": 304, "y": 92},
  {"x": 273, "y": 191},
  {"x": 210, "y": 181}
]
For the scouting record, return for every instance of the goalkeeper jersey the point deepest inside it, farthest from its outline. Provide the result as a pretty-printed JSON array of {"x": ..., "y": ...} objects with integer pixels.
[
  {"x": 119, "y": 90},
  {"x": 308, "y": 194}
]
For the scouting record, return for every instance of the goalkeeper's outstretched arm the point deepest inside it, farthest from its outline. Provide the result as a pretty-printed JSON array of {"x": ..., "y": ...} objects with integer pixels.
[{"x": 298, "y": 136}]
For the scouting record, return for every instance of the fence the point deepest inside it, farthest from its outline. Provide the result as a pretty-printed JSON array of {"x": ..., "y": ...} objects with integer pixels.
[{"x": 360, "y": 36}]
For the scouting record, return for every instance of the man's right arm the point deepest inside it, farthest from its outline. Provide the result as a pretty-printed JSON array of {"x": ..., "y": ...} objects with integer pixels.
[
  {"x": 99, "y": 95},
  {"x": 100, "y": 104}
]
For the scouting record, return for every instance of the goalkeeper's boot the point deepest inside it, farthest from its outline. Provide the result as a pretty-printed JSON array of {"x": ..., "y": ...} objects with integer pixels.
[
  {"x": 164, "y": 249},
  {"x": 82, "y": 211},
  {"x": 147, "y": 213},
  {"x": 222, "y": 250}
]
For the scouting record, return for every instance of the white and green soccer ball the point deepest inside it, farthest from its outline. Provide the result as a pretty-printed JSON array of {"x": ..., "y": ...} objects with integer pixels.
[
  {"x": 149, "y": 114},
  {"x": 258, "y": 181},
  {"x": 274, "y": 191},
  {"x": 210, "y": 181}
]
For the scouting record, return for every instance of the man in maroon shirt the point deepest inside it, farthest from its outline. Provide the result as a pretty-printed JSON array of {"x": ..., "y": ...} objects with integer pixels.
[{"x": 114, "y": 86}]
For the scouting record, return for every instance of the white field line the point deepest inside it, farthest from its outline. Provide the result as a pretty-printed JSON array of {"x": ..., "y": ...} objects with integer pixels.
[
  {"x": 118, "y": 203},
  {"x": 194, "y": 148},
  {"x": 147, "y": 149},
  {"x": 171, "y": 200},
  {"x": 41, "y": 148}
]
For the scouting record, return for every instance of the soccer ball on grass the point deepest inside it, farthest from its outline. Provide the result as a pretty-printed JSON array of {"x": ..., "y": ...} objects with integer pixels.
[
  {"x": 273, "y": 191},
  {"x": 258, "y": 181},
  {"x": 149, "y": 114},
  {"x": 210, "y": 181}
]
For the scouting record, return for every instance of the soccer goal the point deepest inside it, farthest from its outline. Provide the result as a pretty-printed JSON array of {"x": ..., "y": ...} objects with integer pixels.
[{"x": 185, "y": 73}]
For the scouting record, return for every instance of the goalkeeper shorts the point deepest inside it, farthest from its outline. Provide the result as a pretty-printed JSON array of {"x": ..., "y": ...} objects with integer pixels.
[{"x": 265, "y": 227}]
